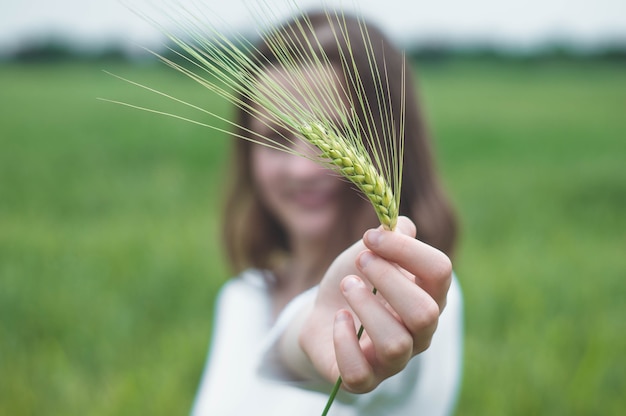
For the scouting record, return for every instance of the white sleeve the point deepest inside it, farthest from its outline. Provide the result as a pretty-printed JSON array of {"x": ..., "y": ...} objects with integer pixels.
[
  {"x": 271, "y": 365},
  {"x": 237, "y": 327},
  {"x": 212, "y": 369}
]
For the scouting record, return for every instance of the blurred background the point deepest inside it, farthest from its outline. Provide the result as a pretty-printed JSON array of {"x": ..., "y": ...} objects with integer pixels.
[{"x": 110, "y": 252}]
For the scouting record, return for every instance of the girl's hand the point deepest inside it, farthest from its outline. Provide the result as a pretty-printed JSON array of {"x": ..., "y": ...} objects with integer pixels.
[{"x": 412, "y": 279}]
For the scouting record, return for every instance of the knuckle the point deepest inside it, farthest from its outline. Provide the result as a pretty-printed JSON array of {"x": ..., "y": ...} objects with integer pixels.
[
  {"x": 423, "y": 345},
  {"x": 442, "y": 267},
  {"x": 397, "y": 349},
  {"x": 426, "y": 316},
  {"x": 429, "y": 319},
  {"x": 429, "y": 313},
  {"x": 358, "y": 381}
]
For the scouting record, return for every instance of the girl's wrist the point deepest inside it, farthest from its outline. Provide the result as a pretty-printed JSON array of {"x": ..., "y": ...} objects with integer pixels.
[{"x": 293, "y": 356}]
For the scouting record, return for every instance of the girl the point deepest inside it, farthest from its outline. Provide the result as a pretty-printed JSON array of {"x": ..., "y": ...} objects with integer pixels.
[{"x": 308, "y": 252}]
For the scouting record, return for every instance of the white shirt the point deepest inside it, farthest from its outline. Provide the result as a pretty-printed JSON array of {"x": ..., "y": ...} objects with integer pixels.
[{"x": 242, "y": 376}]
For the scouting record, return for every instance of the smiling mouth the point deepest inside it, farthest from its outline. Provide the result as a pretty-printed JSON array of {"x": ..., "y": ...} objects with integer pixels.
[{"x": 312, "y": 198}]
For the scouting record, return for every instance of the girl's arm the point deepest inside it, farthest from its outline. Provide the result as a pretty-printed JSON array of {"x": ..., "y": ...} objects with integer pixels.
[{"x": 412, "y": 279}]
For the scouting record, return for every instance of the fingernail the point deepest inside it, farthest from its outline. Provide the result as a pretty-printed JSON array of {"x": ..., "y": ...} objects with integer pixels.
[
  {"x": 365, "y": 258},
  {"x": 351, "y": 282},
  {"x": 342, "y": 316},
  {"x": 373, "y": 237}
]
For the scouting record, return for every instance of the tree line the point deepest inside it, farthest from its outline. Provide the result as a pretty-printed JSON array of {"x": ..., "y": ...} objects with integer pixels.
[{"x": 55, "y": 50}]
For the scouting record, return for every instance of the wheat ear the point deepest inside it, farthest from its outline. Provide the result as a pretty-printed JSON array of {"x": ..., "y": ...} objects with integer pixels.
[{"x": 357, "y": 167}]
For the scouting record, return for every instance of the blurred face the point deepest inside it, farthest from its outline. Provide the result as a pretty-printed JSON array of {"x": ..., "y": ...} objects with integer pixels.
[{"x": 305, "y": 197}]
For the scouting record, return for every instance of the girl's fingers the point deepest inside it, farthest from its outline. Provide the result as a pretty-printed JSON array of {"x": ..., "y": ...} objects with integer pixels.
[
  {"x": 432, "y": 268},
  {"x": 392, "y": 344},
  {"x": 356, "y": 373},
  {"x": 418, "y": 311},
  {"x": 412, "y": 277}
]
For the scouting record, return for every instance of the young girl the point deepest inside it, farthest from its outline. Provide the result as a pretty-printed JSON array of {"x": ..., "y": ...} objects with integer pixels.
[{"x": 308, "y": 249}]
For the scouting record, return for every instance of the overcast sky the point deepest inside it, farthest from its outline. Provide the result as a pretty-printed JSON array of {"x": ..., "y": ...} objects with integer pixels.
[{"x": 518, "y": 23}]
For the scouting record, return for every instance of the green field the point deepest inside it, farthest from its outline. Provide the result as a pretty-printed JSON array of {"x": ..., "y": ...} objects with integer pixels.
[{"x": 110, "y": 250}]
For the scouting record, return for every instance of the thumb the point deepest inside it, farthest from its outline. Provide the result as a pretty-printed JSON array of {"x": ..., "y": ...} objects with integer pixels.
[{"x": 406, "y": 226}]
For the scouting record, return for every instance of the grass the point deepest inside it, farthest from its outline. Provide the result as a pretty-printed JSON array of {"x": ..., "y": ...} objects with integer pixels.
[
  {"x": 110, "y": 251},
  {"x": 535, "y": 159}
]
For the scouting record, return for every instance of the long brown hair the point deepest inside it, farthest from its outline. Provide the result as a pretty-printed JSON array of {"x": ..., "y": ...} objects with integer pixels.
[{"x": 253, "y": 235}]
